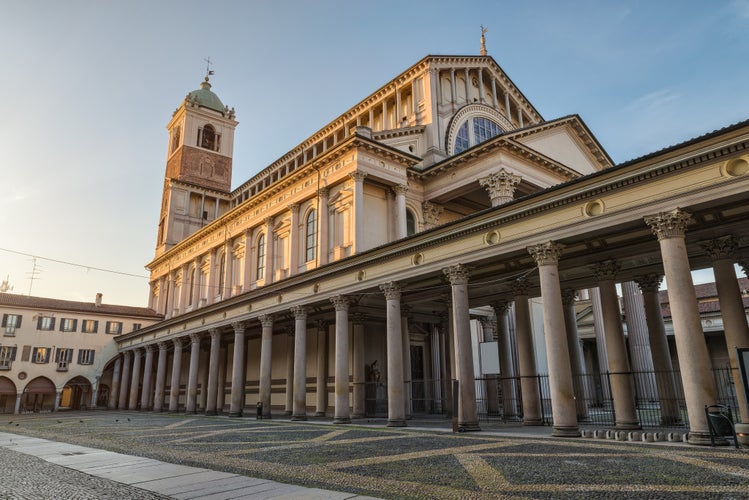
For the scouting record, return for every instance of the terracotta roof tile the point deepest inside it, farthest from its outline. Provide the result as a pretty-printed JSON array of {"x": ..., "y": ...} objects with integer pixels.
[{"x": 16, "y": 300}]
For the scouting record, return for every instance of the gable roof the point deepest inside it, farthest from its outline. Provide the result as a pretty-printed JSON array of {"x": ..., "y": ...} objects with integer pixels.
[{"x": 26, "y": 301}]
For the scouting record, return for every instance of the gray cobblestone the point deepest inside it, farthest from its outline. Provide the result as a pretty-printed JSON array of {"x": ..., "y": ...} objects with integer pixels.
[{"x": 27, "y": 477}]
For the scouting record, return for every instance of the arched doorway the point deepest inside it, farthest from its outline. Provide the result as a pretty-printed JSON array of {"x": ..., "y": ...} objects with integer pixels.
[
  {"x": 7, "y": 395},
  {"x": 76, "y": 394},
  {"x": 38, "y": 396},
  {"x": 102, "y": 398}
]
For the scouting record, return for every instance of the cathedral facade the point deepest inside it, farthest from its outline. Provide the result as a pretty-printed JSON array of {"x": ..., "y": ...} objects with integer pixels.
[{"x": 358, "y": 268}]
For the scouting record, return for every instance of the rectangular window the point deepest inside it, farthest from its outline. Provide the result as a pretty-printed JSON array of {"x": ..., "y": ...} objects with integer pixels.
[
  {"x": 137, "y": 326},
  {"x": 114, "y": 327},
  {"x": 7, "y": 356},
  {"x": 63, "y": 357},
  {"x": 86, "y": 356},
  {"x": 90, "y": 326},
  {"x": 10, "y": 323},
  {"x": 45, "y": 323},
  {"x": 68, "y": 325},
  {"x": 40, "y": 355}
]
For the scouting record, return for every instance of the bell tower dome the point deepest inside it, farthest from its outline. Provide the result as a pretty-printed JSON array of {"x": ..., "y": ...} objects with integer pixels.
[{"x": 197, "y": 182}]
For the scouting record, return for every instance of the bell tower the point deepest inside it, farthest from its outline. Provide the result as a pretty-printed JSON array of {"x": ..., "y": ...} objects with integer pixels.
[{"x": 197, "y": 182}]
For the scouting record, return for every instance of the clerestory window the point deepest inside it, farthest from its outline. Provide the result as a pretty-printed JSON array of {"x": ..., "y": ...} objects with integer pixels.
[{"x": 475, "y": 131}]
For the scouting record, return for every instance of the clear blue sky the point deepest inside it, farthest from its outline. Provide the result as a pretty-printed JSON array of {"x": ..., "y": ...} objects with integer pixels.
[{"x": 89, "y": 86}]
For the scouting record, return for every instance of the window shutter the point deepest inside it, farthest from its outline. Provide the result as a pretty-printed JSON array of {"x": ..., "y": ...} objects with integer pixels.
[
  {"x": 107, "y": 327},
  {"x": 62, "y": 325},
  {"x": 13, "y": 353},
  {"x": 26, "y": 353},
  {"x": 91, "y": 358},
  {"x": 46, "y": 356},
  {"x": 69, "y": 355},
  {"x": 75, "y": 325},
  {"x": 5, "y": 320},
  {"x": 52, "y": 326},
  {"x": 39, "y": 323},
  {"x": 96, "y": 326},
  {"x": 18, "y": 321},
  {"x": 80, "y": 355},
  {"x": 33, "y": 354},
  {"x": 57, "y": 355}
]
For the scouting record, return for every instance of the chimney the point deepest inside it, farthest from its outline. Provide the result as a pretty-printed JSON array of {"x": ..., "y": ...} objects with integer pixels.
[{"x": 98, "y": 299}]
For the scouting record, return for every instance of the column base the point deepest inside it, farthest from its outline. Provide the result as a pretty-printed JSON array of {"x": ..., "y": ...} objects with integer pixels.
[
  {"x": 235, "y": 414},
  {"x": 286, "y": 413},
  {"x": 319, "y": 413},
  {"x": 298, "y": 418},
  {"x": 358, "y": 415},
  {"x": 396, "y": 423},
  {"x": 703, "y": 439},
  {"x": 533, "y": 421},
  {"x": 628, "y": 426},
  {"x": 468, "y": 427},
  {"x": 562, "y": 431},
  {"x": 211, "y": 413},
  {"x": 341, "y": 420}
]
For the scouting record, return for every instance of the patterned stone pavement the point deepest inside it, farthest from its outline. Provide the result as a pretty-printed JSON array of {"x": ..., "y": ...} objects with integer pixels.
[{"x": 406, "y": 462}]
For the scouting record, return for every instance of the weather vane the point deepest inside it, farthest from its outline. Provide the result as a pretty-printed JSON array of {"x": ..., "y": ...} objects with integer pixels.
[
  {"x": 208, "y": 70},
  {"x": 483, "y": 40}
]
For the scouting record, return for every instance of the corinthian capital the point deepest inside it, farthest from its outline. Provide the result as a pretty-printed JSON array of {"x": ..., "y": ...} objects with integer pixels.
[
  {"x": 671, "y": 224},
  {"x": 546, "y": 253},
  {"x": 501, "y": 186},
  {"x": 391, "y": 290},
  {"x": 720, "y": 248},
  {"x": 457, "y": 274},
  {"x": 606, "y": 270},
  {"x": 266, "y": 320},
  {"x": 340, "y": 302},
  {"x": 649, "y": 283}
]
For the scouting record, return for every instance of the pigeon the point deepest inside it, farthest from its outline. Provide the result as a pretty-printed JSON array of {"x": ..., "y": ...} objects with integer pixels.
[
  {"x": 17, "y": 425},
  {"x": 116, "y": 420},
  {"x": 128, "y": 419},
  {"x": 10, "y": 422},
  {"x": 59, "y": 421},
  {"x": 81, "y": 421}
]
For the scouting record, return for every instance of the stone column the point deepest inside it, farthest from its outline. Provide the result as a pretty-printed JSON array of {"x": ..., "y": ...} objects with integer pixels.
[
  {"x": 637, "y": 336},
  {"x": 620, "y": 373},
  {"x": 445, "y": 378},
  {"x": 722, "y": 252},
  {"x": 400, "y": 210},
  {"x": 509, "y": 389},
  {"x": 529, "y": 390},
  {"x": 158, "y": 397},
  {"x": 266, "y": 357},
  {"x": 56, "y": 406},
  {"x": 359, "y": 375},
  {"x": 322, "y": 220},
  {"x": 492, "y": 396},
  {"x": 500, "y": 186},
  {"x": 664, "y": 377},
  {"x": 406, "y": 340},
  {"x": 222, "y": 365},
  {"x": 135, "y": 380},
  {"x": 300, "y": 363},
  {"x": 577, "y": 364},
  {"x": 467, "y": 415},
  {"x": 396, "y": 415},
  {"x": 360, "y": 225},
  {"x": 176, "y": 376},
  {"x": 697, "y": 378},
  {"x": 322, "y": 369},
  {"x": 146, "y": 394},
  {"x": 562, "y": 389},
  {"x": 116, "y": 376},
  {"x": 237, "y": 371},
  {"x": 17, "y": 408},
  {"x": 213, "y": 366},
  {"x": 342, "y": 413},
  {"x": 294, "y": 236},
  {"x": 192, "y": 374},
  {"x": 289, "y": 410}
]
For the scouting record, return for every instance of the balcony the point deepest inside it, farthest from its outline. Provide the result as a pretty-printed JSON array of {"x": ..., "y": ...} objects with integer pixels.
[
  {"x": 10, "y": 331},
  {"x": 62, "y": 366}
]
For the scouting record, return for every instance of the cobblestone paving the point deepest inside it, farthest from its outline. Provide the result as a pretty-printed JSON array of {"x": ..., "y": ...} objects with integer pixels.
[
  {"x": 27, "y": 477},
  {"x": 406, "y": 463}
]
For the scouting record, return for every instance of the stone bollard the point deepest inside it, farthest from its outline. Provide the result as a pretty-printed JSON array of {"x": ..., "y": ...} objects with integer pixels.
[
  {"x": 620, "y": 435},
  {"x": 610, "y": 434},
  {"x": 635, "y": 436},
  {"x": 599, "y": 434},
  {"x": 659, "y": 436},
  {"x": 587, "y": 433},
  {"x": 648, "y": 437},
  {"x": 675, "y": 437}
]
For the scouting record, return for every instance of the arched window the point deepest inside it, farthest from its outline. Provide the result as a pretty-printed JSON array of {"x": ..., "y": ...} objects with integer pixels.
[
  {"x": 208, "y": 138},
  {"x": 310, "y": 233},
  {"x": 475, "y": 131},
  {"x": 410, "y": 223},
  {"x": 261, "y": 257}
]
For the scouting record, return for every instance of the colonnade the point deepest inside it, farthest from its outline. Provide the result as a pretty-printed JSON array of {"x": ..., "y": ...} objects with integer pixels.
[{"x": 564, "y": 358}]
